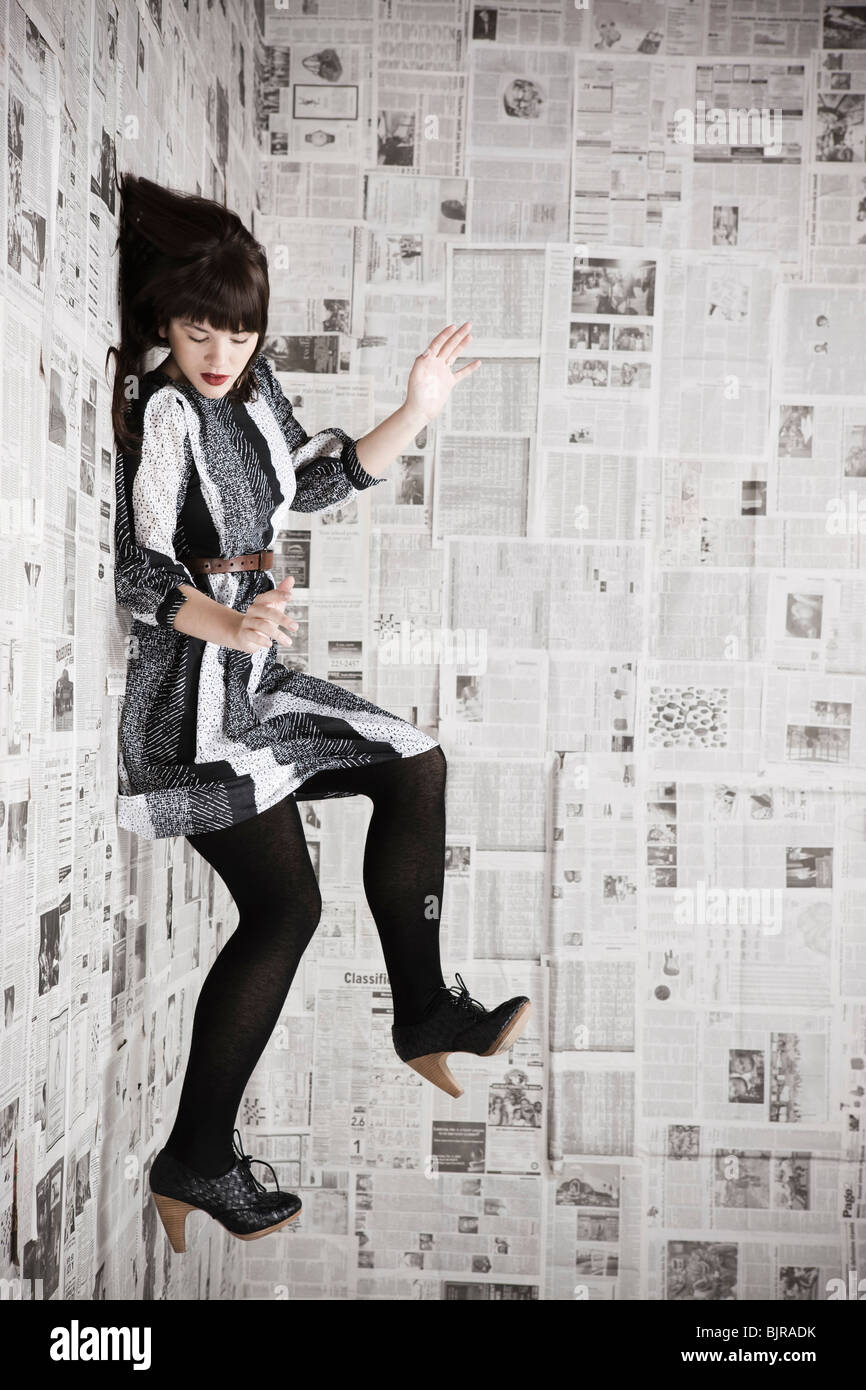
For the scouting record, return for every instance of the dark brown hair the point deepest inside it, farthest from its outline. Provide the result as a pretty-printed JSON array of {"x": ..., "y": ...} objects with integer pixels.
[{"x": 181, "y": 256}]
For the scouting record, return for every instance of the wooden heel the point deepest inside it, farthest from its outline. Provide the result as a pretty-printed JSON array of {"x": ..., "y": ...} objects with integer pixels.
[
  {"x": 173, "y": 1215},
  {"x": 434, "y": 1067}
]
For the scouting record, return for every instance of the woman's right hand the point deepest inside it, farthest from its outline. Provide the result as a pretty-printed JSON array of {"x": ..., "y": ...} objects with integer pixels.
[{"x": 262, "y": 622}]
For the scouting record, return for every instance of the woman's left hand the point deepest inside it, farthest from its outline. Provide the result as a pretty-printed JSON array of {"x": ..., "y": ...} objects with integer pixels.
[{"x": 431, "y": 379}]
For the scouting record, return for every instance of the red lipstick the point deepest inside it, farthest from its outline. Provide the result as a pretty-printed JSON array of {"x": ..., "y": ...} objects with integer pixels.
[{"x": 213, "y": 380}]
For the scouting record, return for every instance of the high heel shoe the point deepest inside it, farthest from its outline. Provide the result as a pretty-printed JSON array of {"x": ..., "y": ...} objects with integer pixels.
[
  {"x": 455, "y": 1022},
  {"x": 237, "y": 1200}
]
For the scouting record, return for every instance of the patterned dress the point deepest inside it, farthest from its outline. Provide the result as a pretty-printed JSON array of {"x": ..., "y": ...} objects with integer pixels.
[{"x": 209, "y": 736}]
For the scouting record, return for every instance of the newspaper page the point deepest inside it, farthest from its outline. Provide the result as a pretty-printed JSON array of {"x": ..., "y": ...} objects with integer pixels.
[
  {"x": 601, "y": 351},
  {"x": 518, "y": 143},
  {"x": 715, "y": 369},
  {"x": 736, "y": 28},
  {"x": 630, "y": 179},
  {"x": 645, "y": 29}
]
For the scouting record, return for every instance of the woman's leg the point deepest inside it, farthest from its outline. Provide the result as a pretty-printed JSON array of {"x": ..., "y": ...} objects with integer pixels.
[
  {"x": 404, "y": 867},
  {"x": 266, "y": 867}
]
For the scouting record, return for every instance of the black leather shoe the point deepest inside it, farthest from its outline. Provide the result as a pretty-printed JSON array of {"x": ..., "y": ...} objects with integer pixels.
[
  {"x": 237, "y": 1200},
  {"x": 455, "y": 1022}
]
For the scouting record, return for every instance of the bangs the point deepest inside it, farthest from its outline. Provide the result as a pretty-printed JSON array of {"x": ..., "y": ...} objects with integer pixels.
[{"x": 223, "y": 288}]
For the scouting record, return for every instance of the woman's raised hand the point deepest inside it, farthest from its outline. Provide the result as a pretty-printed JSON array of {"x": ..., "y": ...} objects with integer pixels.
[
  {"x": 431, "y": 379},
  {"x": 261, "y": 624}
]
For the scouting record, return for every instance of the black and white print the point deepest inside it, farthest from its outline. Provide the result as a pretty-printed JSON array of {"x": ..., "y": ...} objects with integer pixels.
[{"x": 209, "y": 736}]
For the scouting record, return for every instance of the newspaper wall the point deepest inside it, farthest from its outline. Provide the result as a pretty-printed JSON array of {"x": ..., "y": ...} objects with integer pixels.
[{"x": 620, "y": 577}]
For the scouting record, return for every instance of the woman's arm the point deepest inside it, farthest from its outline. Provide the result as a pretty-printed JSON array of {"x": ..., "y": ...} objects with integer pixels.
[
  {"x": 205, "y": 618},
  {"x": 431, "y": 382},
  {"x": 325, "y": 480},
  {"x": 327, "y": 470},
  {"x": 150, "y": 489},
  {"x": 377, "y": 450},
  {"x": 263, "y": 622}
]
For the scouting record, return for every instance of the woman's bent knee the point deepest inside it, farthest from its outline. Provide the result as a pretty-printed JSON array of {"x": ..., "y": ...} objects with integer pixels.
[
  {"x": 280, "y": 896},
  {"x": 437, "y": 757}
]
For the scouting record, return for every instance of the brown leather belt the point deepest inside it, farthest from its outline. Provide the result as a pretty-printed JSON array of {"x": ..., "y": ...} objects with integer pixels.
[{"x": 227, "y": 564}]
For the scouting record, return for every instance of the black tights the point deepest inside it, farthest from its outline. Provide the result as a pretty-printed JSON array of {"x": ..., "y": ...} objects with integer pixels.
[{"x": 265, "y": 864}]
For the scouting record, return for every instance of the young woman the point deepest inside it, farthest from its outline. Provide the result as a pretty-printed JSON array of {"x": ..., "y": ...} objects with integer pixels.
[{"x": 219, "y": 740}]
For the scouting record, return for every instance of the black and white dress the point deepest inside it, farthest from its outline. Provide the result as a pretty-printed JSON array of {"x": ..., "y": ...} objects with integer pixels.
[{"x": 209, "y": 736}]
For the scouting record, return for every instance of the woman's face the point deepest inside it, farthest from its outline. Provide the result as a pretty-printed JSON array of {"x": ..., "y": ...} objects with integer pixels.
[{"x": 199, "y": 352}]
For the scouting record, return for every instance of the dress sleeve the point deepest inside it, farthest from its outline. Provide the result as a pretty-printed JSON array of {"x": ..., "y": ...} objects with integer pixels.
[
  {"x": 327, "y": 470},
  {"x": 151, "y": 487}
]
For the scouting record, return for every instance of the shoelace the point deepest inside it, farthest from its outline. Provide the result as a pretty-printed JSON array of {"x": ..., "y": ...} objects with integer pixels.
[
  {"x": 247, "y": 1161},
  {"x": 462, "y": 998}
]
